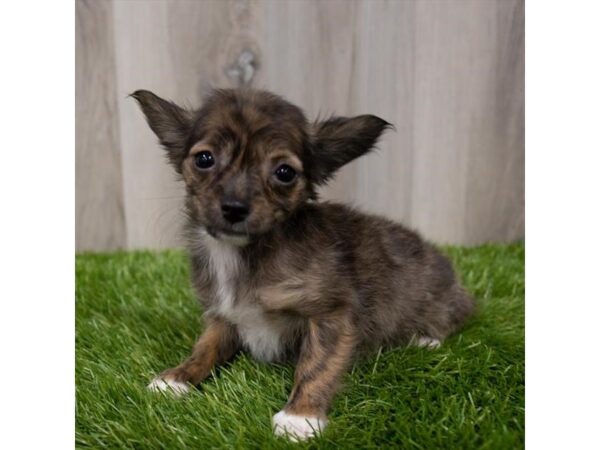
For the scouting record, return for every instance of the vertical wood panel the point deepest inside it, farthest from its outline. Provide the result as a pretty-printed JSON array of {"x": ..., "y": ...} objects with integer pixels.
[
  {"x": 100, "y": 220},
  {"x": 463, "y": 147},
  {"x": 383, "y": 77},
  {"x": 495, "y": 200},
  {"x": 451, "y": 69}
]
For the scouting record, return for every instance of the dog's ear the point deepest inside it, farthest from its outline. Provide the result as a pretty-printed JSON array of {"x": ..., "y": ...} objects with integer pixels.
[
  {"x": 339, "y": 140},
  {"x": 171, "y": 123}
]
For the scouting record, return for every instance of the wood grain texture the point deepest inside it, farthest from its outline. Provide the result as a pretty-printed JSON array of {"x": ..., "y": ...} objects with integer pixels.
[
  {"x": 469, "y": 148},
  {"x": 383, "y": 84},
  {"x": 100, "y": 219},
  {"x": 495, "y": 200},
  {"x": 448, "y": 73}
]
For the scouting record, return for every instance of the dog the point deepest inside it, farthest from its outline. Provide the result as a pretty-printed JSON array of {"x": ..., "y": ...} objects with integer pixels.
[{"x": 280, "y": 274}]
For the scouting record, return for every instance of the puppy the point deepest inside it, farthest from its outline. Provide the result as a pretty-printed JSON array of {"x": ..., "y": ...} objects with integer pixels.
[{"x": 281, "y": 275}]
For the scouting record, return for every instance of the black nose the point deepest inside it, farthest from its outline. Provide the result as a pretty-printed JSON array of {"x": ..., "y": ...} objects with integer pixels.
[{"x": 234, "y": 211}]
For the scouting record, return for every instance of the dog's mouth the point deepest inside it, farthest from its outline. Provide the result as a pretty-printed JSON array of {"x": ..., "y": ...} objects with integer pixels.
[{"x": 236, "y": 238}]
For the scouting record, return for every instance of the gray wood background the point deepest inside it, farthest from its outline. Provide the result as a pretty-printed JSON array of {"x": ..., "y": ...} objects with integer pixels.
[{"x": 448, "y": 73}]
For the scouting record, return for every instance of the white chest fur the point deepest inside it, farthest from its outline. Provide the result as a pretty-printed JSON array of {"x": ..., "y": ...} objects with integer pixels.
[{"x": 262, "y": 336}]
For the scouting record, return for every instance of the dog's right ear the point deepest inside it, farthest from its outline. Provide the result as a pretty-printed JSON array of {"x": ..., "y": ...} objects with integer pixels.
[{"x": 171, "y": 123}]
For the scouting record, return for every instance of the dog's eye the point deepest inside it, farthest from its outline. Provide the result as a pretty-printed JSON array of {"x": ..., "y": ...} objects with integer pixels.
[
  {"x": 285, "y": 173},
  {"x": 204, "y": 160}
]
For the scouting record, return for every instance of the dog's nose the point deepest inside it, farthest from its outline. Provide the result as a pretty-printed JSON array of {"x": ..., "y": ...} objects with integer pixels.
[{"x": 234, "y": 211}]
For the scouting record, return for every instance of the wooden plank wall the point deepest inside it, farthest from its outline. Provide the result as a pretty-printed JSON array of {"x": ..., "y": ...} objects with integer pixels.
[
  {"x": 448, "y": 73},
  {"x": 100, "y": 215}
]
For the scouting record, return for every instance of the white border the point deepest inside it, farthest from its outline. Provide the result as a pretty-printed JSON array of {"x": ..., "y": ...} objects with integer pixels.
[
  {"x": 563, "y": 226},
  {"x": 37, "y": 224}
]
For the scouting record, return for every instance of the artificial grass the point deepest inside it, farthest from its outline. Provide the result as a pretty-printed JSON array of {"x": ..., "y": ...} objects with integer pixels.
[{"x": 137, "y": 315}]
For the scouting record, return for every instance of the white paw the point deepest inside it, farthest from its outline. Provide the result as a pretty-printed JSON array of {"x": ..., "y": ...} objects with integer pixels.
[
  {"x": 167, "y": 385},
  {"x": 429, "y": 342},
  {"x": 297, "y": 428}
]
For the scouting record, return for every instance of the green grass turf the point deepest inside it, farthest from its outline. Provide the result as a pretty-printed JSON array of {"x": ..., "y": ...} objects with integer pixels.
[{"x": 137, "y": 315}]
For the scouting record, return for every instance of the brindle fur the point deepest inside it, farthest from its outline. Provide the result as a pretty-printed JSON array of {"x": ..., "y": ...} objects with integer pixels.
[{"x": 330, "y": 281}]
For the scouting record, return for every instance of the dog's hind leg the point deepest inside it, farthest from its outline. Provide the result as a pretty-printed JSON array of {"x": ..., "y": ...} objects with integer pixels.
[{"x": 426, "y": 342}]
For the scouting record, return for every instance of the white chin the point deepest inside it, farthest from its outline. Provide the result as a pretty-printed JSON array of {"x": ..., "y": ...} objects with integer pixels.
[{"x": 234, "y": 239}]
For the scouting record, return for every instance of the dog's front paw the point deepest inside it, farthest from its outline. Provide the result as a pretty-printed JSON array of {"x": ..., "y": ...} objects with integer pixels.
[
  {"x": 297, "y": 428},
  {"x": 168, "y": 382}
]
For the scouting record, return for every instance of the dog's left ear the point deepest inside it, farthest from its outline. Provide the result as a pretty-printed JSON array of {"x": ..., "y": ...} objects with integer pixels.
[{"x": 339, "y": 140}]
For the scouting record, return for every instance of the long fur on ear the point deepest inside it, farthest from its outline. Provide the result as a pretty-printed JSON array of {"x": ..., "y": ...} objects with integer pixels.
[
  {"x": 339, "y": 140},
  {"x": 171, "y": 123}
]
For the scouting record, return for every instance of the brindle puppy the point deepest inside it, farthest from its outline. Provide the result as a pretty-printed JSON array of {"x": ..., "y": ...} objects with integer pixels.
[{"x": 278, "y": 273}]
